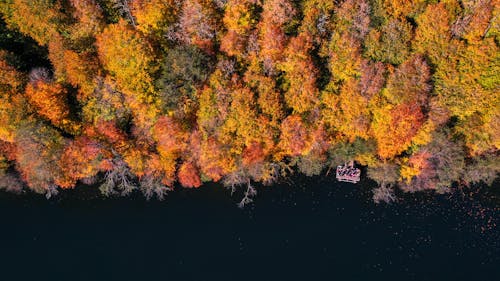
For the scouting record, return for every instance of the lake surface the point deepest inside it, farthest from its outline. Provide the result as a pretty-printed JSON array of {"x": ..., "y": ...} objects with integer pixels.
[{"x": 316, "y": 229}]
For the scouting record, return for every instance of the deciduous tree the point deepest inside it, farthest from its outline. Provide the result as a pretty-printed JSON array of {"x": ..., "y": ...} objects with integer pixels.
[
  {"x": 300, "y": 73},
  {"x": 50, "y": 101}
]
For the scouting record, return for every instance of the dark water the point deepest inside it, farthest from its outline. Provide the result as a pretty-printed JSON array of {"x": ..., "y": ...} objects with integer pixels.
[{"x": 315, "y": 230}]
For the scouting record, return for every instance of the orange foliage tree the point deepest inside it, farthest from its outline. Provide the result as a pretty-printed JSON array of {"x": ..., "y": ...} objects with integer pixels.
[
  {"x": 189, "y": 175},
  {"x": 39, "y": 148},
  {"x": 239, "y": 19},
  {"x": 294, "y": 136},
  {"x": 215, "y": 159},
  {"x": 81, "y": 159},
  {"x": 147, "y": 93},
  {"x": 272, "y": 37},
  {"x": 89, "y": 16},
  {"x": 171, "y": 141},
  {"x": 50, "y": 101},
  {"x": 399, "y": 109}
]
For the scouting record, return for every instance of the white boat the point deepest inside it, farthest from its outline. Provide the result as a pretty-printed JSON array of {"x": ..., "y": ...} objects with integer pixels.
[{"x": 347, "y": 173}]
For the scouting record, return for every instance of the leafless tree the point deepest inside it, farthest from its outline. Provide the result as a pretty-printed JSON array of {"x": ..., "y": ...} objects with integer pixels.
[
  {"x": 322, "y": 23},
  {"x": 220, "y": 3},
  {"x": 227, "y": 67},
  {"x": 273, "y": 174},
  {"x": 250, "y": 193},
  {"x": 118, "y": 180},
  {"x": 39, "y": 74},
  {"x": 11, "y": 183},
  {"x": 493, "y": 21},
  {"x": 124, "y": 9},
  {"x": 471, "y": 10},
  {"x": 253, "y": 42},
  {"x": 384, "y": 193},
  {"x": 235, "y": 179},
  {"x": 240, "y": 178},
  {"x": 192, "y": 22},
  {"x": 51, "y": 191},
  {"x": 89, "y": 180},
  {"x": 151, "y": 186},
  {"x": 361, "y": 19}
]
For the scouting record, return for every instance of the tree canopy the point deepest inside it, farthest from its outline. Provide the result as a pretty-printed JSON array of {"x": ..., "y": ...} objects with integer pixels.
[{"x": 147, "y": 94}]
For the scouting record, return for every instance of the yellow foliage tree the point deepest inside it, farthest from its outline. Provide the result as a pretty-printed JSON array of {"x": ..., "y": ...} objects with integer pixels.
[
  {"x": 154, "y": 17},
  {"x": 302, "y": 94},
  {"x": 39, "y": 19},
  {"x": 128, "y": 57},
  {"x": 130, "y": 60},
  {"x": 348, "y": 111}
]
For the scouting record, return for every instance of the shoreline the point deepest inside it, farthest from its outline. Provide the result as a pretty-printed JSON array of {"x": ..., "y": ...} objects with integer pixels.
[{"x": 487, "y": 194}]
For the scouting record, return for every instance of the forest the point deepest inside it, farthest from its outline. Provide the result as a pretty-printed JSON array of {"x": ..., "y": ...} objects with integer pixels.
[{"x": 152, "y": 95}]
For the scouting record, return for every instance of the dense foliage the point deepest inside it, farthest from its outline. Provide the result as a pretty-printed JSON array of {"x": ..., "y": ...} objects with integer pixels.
[{"x": 143, "y": 94}]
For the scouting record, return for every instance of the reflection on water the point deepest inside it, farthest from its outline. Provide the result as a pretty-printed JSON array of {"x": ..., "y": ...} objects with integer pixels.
[{"x": 314, "y": 229}]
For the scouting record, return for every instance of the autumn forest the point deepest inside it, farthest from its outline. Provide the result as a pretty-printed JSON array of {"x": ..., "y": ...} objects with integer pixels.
[{"x": 154, "y": 94}]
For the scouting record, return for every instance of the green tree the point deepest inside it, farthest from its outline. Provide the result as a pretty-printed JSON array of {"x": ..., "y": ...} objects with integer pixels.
[{"x": 184, "y": 69}]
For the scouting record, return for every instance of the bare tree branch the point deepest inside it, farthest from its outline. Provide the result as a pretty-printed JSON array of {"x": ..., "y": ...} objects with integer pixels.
[{"x": 123, "y": 7}]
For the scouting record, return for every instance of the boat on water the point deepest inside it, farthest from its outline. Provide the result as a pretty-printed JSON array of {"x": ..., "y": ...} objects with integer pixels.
[{"x": 348, "y": 173}]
